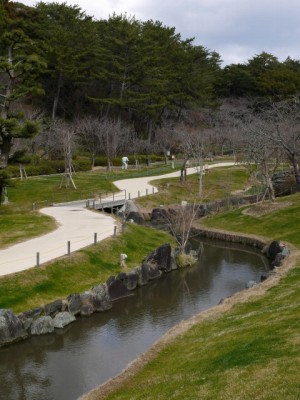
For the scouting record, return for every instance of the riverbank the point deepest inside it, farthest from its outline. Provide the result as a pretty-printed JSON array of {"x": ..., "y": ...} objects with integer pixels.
[
  {"x": 128, "y": 375},
  {"x": 98, "y": 348},
  {"x": 79, "y": 271},
  {"x": 245, "y": 347}
]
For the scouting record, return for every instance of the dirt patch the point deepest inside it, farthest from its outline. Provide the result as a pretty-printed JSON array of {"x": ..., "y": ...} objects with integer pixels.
[
  {"x": 241, "y": 191},
  {"x": 102, "y": 391},
  {"x": 265, "y": 208}
]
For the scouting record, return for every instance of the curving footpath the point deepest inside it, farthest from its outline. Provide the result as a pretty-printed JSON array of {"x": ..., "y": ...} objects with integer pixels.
[{"x": 76, "y": 225}]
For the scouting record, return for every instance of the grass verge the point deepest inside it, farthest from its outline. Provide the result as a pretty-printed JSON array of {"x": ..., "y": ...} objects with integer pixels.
[
  {"x": 80, "y": 271},
  {"x": 19, "y": 226},
  {"x": 219, "y": 183}
]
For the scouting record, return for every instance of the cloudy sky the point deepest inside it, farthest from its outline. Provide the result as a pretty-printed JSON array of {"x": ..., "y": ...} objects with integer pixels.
[{"x": 236, "y": 29}]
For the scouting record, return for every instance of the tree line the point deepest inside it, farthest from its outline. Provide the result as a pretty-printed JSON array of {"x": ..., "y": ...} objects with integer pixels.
[{"x": 121, "y": 84}]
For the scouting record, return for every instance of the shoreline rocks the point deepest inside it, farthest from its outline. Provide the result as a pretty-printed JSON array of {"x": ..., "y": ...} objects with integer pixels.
[{"x": 60, "y": 313}]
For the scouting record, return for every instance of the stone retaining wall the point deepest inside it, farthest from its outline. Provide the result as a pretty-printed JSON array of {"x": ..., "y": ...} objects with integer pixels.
[
  {"x": 59, "y": 313},
  {"x": 230, "y": 237}
]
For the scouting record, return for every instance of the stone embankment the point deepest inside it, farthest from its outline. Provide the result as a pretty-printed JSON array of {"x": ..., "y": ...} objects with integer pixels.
[
  {"x": 59, "y": 313},
  {"x": 276, "y": 251}
]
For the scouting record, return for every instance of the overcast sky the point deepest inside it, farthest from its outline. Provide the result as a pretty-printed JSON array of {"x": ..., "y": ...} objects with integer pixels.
[{"x": 236, "y": 29}]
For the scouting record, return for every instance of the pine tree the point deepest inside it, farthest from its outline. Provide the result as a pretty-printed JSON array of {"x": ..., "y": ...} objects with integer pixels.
[{"x": 20, "y": 65}]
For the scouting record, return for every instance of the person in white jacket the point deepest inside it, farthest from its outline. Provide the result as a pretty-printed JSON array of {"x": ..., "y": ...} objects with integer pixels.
[{"x": 124, "y": 162}]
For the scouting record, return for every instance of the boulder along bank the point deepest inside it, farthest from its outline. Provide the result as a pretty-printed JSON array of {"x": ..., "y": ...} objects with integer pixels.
[{"x": 62, "y": 312}]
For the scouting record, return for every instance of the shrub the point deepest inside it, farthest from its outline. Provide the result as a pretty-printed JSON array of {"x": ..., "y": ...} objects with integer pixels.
[
  {"x": 184, "y": 260},
  {"x": 82, "y": 164},
  {"x": 21, "y": 157}
]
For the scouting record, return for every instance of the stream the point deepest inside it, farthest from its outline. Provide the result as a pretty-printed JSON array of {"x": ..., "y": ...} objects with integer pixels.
[{"x": 72, "y": 361}]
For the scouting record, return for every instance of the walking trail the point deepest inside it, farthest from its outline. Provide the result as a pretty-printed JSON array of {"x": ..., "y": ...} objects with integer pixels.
[{"x": 76, "y": 225}]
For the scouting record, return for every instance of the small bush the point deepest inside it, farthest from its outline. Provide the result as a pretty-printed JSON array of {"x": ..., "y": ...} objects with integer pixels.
[
  {"x": 21, "y": 157},
  {"x": 82, "y": 164},
  {"x": 184, "y": 260},
  {"x": 48, "y": 167},
  {"x": 101, "y": 161}
]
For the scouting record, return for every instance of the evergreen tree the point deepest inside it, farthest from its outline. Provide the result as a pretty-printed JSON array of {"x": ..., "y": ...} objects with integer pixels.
[
  {"x": 70, "y": 38},
  {"x": 20, "y": 65}
]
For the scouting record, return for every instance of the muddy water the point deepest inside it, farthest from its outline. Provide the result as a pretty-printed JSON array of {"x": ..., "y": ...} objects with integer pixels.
[{"x": 64, "y": 365}]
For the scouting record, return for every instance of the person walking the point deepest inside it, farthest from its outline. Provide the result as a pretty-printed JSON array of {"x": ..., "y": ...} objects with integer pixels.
[{"x": 124, "y": 162}]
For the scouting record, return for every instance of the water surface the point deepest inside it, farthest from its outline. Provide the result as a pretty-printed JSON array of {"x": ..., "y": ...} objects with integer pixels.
[{"x": 72, "y": 361}]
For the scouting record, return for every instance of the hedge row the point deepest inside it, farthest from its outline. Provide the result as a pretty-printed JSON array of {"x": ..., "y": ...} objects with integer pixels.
[
  {"x": 48, "y": 167},
  {"x": 35, "y": 166}
]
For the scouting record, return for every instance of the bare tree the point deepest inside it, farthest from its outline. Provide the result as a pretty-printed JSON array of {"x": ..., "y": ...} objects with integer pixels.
[
  {"x": 49, "y": 141},
  {"x": 165, "y": 139},
  {"x": 285, "y": 119},
  {"x": 59, "y": 140},
  {"x": 180, "y": 221},
  {"x": 275, "y": 132},
  {"x": 194, "y": 147},
  {"x": 103, "y": 136},
  {"x": 112, "y": 136},
  {"x": 68, "y": 137},
  {"x": 227, "y": 124},
  {"x": 261, "y": 151},
  {"x": 87, "y": 129}
]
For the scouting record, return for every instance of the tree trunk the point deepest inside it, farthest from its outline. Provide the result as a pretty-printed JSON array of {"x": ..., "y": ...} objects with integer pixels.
[
  {"x": 5, "y": 137},
  {"x": 296, "y": 173},
  {"x": 93, "y": 159},
  {"x": 200, "y": 179},
  {"x": 269, "y": 184},
  {"x": 183, "y": 170},
  {"x": 150, "y": 125},
  {"x": 5, "y": 150},
  {"x": 56, "y": 97}
]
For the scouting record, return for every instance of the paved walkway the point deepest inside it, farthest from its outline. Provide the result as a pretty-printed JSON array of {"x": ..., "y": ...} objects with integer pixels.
[{"x": 77, "y": 225}]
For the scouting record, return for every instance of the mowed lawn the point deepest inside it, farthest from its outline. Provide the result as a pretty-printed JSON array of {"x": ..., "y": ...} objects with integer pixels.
[
  {"x": 80, "y": 271},
  {"x": 20, "y": 219}
]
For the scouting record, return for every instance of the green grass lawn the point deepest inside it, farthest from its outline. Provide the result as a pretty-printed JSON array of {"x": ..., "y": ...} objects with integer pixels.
[
  {"x": 219, "y": 183},
  {"x": 281, "y": 224},
  {"x": 18, "y": 221},
  {"x": 21, "y": 225},
  {"x": 251, "y": 352},
  {"x": 43, "y": 190},
  {"x": 80, "y": 271}
]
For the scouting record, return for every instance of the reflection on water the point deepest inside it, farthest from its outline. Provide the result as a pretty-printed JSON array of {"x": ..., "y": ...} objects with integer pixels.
[{"x": 72, "y": 361}]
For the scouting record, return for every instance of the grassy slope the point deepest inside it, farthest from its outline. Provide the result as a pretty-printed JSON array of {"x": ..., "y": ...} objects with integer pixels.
[
  {"x": 219, "y": 183},
  {"x": 251, "y": 351},
  {"x": 80, "y": 271},
  {"x": 19, "y": 225}
]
